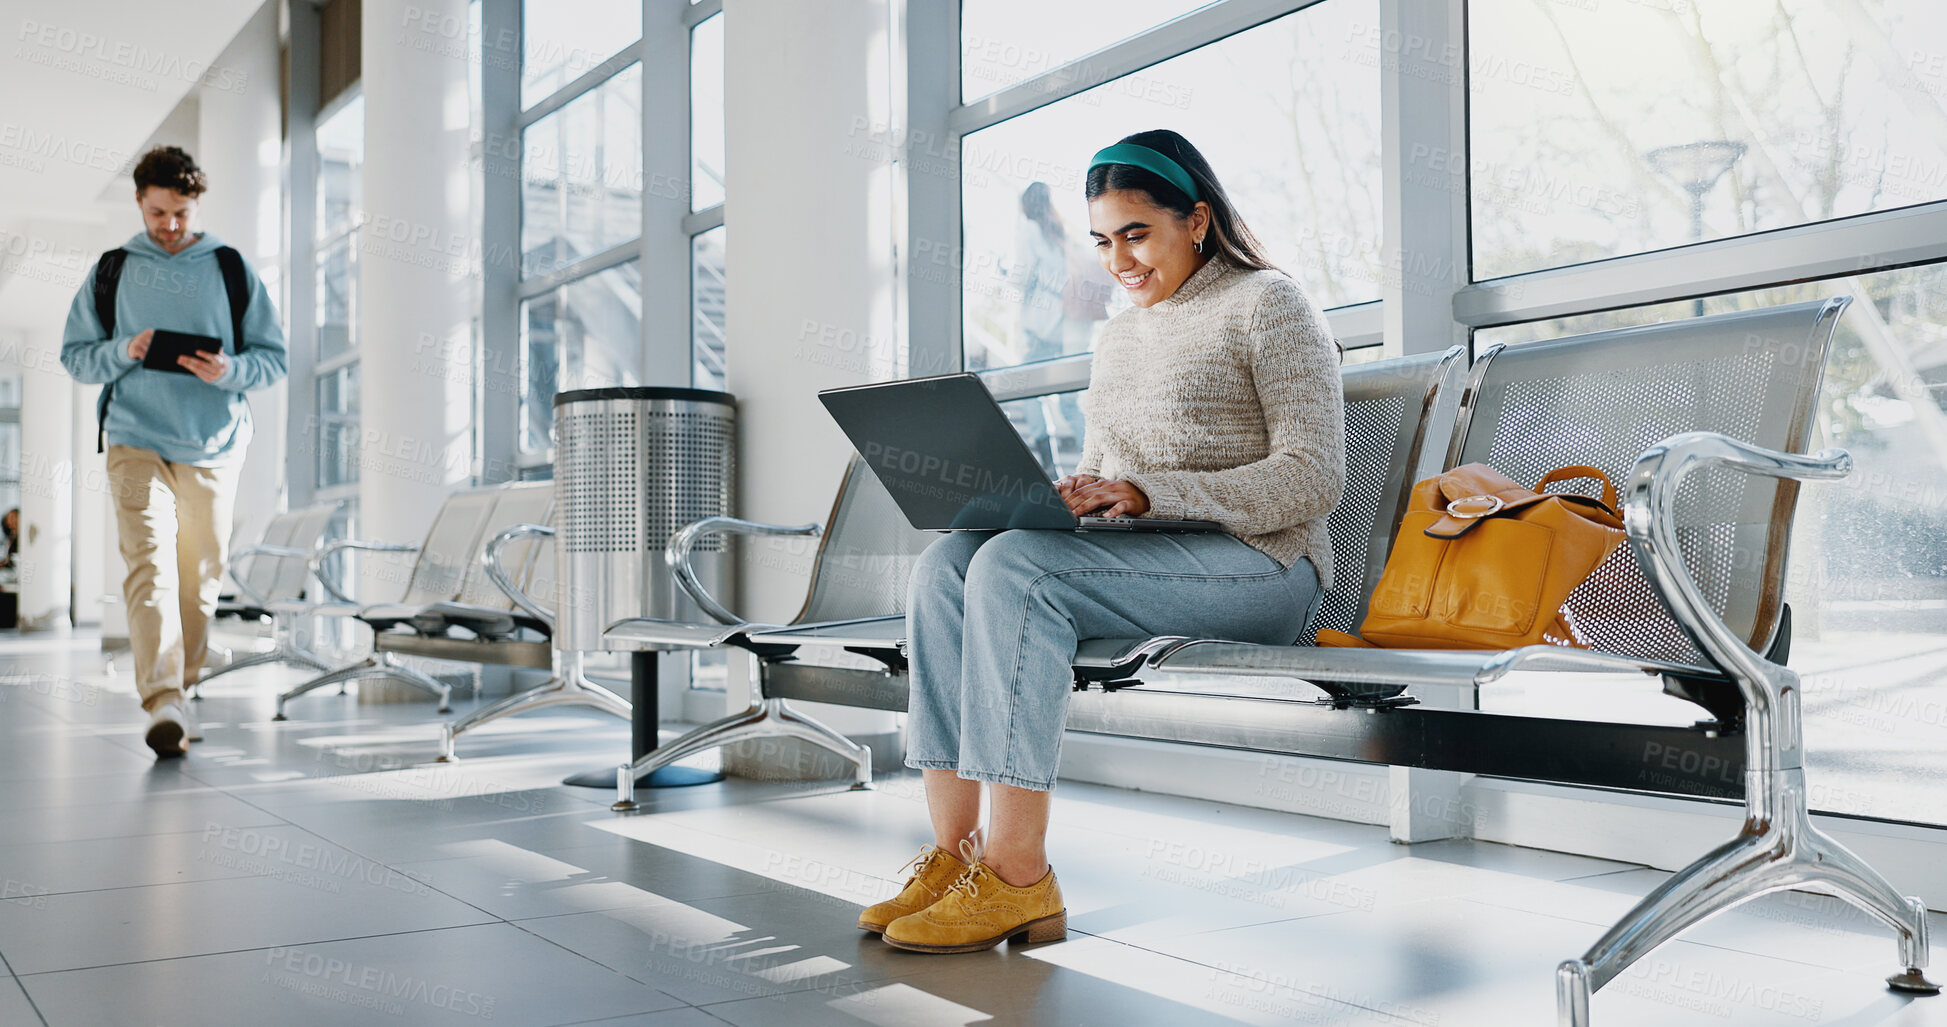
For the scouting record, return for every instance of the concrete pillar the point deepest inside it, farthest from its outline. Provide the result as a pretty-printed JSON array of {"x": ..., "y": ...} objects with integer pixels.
[
  {"x": 414, "y": 346},
  {"x": 811, "y": 285},
  {"x": 47, "y": 483},
  {"x": 1423, "y": 111},
  {"x": 94, "y": 519},
  {"x": 239, "y": 148}
]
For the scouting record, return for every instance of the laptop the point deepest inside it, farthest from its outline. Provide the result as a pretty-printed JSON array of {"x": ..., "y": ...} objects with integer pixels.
[{"x": 952, "y": 461}]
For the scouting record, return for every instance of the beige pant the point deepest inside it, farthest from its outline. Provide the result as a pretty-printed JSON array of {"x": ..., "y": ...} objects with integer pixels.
[{"x": 173, "y": 523}]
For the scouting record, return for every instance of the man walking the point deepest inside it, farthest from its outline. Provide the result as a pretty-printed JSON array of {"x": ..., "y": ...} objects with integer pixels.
[{"x": 176, "y": 437}]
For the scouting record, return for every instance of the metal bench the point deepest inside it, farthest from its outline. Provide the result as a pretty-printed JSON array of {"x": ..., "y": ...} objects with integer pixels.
[
  {"x": 271, "y": 572},
  {"x": 865, "y": 555},
  {"x": 449, "y": 588},
  {"x": 867, "y": 549},
  {"x": 1699, "y": 421},
  {"x": 569, "y": 685}
]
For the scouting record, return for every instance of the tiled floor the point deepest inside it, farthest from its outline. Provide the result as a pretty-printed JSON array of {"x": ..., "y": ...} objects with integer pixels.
[{"x": 323, "y": 871}]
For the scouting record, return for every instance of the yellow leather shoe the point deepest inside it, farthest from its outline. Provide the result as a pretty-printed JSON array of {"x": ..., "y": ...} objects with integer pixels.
[
  {"x": 979, "y": 911},
  {"x": 933, "y": 869}
]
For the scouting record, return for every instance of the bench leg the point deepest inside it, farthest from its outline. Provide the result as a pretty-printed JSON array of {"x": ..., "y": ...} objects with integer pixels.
[
  {"x": 377, "y": 665},
  {"x": 281, "y": 654},
  {"x": 769, "y": 718},
  {"x": 809, "y": 729},
  {"x": 1772, "y": 854},
  {"x": 571, "y": 687}
]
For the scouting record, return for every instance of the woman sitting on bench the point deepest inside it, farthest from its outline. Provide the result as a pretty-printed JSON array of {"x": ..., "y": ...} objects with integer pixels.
[{"x": 1216, "y": 398}]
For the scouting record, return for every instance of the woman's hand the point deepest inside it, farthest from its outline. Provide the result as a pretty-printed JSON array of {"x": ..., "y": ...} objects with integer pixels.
[
  {"x": 1064, "y": 487},
  {"x": 1089, "y": 495}
]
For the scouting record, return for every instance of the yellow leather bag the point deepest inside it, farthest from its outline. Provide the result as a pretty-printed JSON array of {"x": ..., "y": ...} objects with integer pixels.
[{"x": 1482, "y": 563}]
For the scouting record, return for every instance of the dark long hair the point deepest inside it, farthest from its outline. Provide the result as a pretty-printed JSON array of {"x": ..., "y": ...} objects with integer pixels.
[{"x": 1234, "y": 240}]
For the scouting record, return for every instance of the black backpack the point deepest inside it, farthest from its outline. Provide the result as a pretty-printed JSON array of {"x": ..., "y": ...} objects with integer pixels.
[{"x": 108, "y": 275}]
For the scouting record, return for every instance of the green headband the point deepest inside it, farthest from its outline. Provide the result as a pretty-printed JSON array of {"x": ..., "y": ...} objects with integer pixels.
[{"x": 1153, "y": 161}]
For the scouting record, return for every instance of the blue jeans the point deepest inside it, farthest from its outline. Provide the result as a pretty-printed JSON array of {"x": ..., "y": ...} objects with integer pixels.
[{"x": 993, "y": 619}]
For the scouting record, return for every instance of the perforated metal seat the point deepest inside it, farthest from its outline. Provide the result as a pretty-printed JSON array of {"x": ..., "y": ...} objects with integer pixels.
[
  {"x": 1602, "y": 400},
  {"x": 1397, "y": 416}
]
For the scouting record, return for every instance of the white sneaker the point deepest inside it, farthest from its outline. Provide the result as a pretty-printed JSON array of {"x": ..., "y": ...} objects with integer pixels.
[{"x": 166, "y": 732}]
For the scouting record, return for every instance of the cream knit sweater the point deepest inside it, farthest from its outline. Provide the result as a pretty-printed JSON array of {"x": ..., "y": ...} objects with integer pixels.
[{"x": 1223, "y": 403}]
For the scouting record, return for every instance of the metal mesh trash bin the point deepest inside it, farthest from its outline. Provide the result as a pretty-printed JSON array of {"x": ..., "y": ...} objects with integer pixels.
[{"x": 631, "y": 467}]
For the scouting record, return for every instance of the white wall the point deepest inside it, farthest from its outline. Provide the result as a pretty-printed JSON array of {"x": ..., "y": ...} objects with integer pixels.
[
  {"x": 810, "y": 267},
  {"x": 47, "y": 481},
  {"x": 413, "y": 310},
  {"x": 239, "y": 149}
]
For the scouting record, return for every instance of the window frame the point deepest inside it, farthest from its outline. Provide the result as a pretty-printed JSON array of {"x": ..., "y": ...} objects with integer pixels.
[
  {"x": 936, "y": 123},
  {"x": 349, "y": 357},
  {"x": 662, "y": 244},
  {"x": 699, "y": 222}
]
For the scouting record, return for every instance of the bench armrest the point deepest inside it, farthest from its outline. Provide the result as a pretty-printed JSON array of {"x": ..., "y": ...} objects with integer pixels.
[
  {"x": 1649, "y": 516},
  {"x": 677, "y": 555},
  {"x": 241, "y": 556},
  {"x": 497, "y": 572},
  {"x": 330, "y": 549}
]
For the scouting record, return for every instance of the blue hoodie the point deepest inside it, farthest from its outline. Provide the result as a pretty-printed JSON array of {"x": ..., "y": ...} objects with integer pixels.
[{"x": 181, "y": 417}]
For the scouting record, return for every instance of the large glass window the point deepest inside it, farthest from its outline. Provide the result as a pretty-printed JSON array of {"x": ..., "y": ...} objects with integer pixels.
[
  {"x": 584, "y": 335},
  {"x": 706, "y": 306},
  {"x": 1003, "y": 42},
  {"x": 581, "y": 181},
  {"x": 706, "y": 113},
  {"x": 341, "y": 149},
  {"x": 708, "y": 260},
  {"x": 1052, "y": 428},
  {"x": 561, "y": 40},
  {"x": 337, "y": 439},
  {"x": 1603, "y": 130},
  {"x": 337, "y": 282},
  {"x": 1869, "y": 553},
  {"x": 1288, "y": 116}
]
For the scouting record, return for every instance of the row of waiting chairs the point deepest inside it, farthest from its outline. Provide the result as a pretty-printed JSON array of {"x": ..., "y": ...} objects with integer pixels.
[{"x": 470, "y": 596}]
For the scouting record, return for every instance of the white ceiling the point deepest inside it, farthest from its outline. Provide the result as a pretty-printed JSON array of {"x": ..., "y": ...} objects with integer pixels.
[{"x": 87, "y": 84}]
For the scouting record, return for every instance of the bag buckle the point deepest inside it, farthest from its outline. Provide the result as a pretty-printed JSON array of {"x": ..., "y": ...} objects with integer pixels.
[{"x": 1473, "y": 507}]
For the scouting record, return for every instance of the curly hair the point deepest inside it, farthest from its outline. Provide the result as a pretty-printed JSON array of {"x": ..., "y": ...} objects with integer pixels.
[{"x": 170, "y": 167}]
